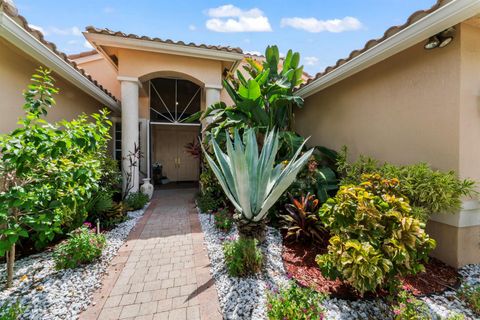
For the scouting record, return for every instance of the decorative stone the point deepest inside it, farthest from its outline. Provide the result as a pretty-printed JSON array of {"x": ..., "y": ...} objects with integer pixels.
[{"x": 147, "y": 188}]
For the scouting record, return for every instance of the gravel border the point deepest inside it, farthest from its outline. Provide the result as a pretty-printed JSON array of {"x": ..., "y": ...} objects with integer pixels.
[
  {"x": 245, "y": 298},
  {"x": 48, "y": 294}
]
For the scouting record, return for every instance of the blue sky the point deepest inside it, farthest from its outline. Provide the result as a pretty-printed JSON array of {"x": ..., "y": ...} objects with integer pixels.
[{"x": 322, "y": 31}]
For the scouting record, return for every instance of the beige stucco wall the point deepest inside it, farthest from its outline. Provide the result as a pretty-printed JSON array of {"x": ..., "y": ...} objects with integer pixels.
[
  {"x": 415, "y": 106},
  {"x": 147, "y": 65},
  {"x": 16, "y": 71},
  {"x": 402, "y": 110},
  {"x": 102, "y": 71}
]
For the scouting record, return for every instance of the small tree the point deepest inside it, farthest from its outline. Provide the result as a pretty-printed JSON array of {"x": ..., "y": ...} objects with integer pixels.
[{"x": 48, "y": 170}]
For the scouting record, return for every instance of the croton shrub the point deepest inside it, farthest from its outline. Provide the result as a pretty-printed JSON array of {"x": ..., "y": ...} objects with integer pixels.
[{"x": 374, "y": 236}]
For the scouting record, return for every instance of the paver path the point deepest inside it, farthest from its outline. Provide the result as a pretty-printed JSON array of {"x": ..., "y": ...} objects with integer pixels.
[{"x": 162, "y": 271}]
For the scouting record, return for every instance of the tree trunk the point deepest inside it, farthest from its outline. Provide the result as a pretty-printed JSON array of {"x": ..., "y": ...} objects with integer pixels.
[
  {"x": 10, "y": 264},
  {"x": 251, "y": 229}
]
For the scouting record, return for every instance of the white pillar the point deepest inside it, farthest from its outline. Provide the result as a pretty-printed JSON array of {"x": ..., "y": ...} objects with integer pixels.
[
  {"x": 212, "y": 94},
  {"x": 129, "y": 91}
]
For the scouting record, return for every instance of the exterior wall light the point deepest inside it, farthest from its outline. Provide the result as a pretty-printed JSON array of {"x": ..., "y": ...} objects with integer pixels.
[{"x": 441, "y": 39}]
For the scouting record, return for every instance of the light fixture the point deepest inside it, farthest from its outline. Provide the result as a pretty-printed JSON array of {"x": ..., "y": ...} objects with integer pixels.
[{"x": 441, "y": 39}]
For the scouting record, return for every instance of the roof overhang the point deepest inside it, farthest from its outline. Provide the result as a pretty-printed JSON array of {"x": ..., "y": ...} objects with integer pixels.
[
  {"x": 26, "y": 42},
  {"x": 446, "y": 16},
  {"x": 104, "y": 40}
]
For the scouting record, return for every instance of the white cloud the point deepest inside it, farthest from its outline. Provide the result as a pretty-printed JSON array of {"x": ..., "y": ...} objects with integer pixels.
[
  {"x": 311, "y": 61},
  {"x": 228, "y": 18},
  {"x": 73, "y": 31},
  {"x": 253, "y": 52},
  {"x": 192, "y": 27},
  {"x": 315, "y": 25},
  {"x": 87, "y": 45},
  {"x": 38, "y": 28}
]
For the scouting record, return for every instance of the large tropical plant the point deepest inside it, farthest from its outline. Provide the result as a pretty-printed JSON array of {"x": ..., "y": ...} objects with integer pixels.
[{"x": 250, "y": 179}]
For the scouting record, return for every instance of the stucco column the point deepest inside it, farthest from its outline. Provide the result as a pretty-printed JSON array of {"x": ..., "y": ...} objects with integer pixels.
[
  {"x": 129, "y": 92},
  {"x": 212, "y": 95}
]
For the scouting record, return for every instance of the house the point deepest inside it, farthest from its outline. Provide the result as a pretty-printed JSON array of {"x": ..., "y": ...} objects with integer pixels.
[
  {"x": 398, "y": 101},
  {"x": 393, "y": 99}
]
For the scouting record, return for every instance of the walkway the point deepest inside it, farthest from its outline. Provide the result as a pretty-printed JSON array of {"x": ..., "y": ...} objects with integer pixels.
[{"x": 162, "y": 271}]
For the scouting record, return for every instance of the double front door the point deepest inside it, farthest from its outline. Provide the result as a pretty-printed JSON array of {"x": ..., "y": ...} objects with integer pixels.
[{"x": 168, "y": 148}]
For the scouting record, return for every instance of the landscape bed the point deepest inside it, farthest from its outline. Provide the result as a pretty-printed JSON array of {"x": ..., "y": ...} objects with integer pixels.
[
  {"x": 246, "y": 298},
  {"x": 47, "y": 293}
]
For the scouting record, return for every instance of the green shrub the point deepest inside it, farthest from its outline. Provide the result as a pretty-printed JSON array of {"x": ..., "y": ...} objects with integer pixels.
[
  {"x": 408, "y": 307},
  {"x": 242, "y": 257},
  {"x": 302, "y": 221},
  {"x": 454, "y": 316},
  {"x": 11, "y": 311},
  {"x": 294, "y": 302},
  {"x": 102, "y": 208},
  {"x": 207, "y": 202},
  {"x": 136, "y": 200},
  {"x": 111, "y": 179},
  {"x": 471, "y": 295},
  {"x": 374, "y": 237},
  {"x": 429, "y": 191},
  {"x": 83, "y": 246},
  {"x": 223, "y": 220}
]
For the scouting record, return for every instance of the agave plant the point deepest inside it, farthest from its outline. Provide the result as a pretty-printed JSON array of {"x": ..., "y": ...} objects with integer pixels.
[{"x": 251, "y": 180}]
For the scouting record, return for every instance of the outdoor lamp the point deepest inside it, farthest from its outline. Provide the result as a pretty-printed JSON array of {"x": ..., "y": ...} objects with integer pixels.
[{"x": 441, "y": 39}]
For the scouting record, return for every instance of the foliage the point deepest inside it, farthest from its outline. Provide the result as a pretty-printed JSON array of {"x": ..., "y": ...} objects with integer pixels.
[
  {"x": 302, "y": 220},
  {"x": 295, "y": 302},
  {"x": 374, "y": 237},
  {"x": 208, "y": 203},
  {"x": 410, "y": 308},
  {"x": 264, "y": 101},
  {"x": 136, "y": 200},
  {"x": 130, "y": 163},
  {"x": 193, "y": 148},
  {"x": 251, "y": 181},
  {"x": 11, "y": 311},
  {"x": 471, "y": 295},
  {"x": 428, "y": 190},
  {"x": 454, "y": 316},
  {"x": 82, "y": 247},
  {"x": 111, "y": 178},
  {"x": 102, "y": 208},
  {"x": 223, "y": 220},
  {"x": 48, "y": 170},
  {"x": 242, "y": 257}
]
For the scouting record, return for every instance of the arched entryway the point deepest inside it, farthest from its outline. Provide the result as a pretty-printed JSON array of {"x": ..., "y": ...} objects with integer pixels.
[{"x": 171, "y": 101}]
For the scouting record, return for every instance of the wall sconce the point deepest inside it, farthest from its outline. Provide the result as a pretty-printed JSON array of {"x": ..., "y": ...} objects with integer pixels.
[{"x": 441, "y": 39}]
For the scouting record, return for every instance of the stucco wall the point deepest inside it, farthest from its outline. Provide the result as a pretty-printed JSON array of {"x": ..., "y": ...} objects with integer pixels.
[
  {"x": 102, "y": 71},
  {"x": 16, "y": 71},
  {"x": 402, "y": 110},
  {"x": 147, "y": 65}
]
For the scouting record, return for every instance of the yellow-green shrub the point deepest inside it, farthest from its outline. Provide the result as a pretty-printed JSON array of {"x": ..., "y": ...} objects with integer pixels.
[{"x": 374, "y": 237}]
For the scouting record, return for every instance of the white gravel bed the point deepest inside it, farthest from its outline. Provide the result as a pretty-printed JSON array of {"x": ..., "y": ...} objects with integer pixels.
[
  {"x": 46, "y": 293},
  {"x": 245, "y": 298}
]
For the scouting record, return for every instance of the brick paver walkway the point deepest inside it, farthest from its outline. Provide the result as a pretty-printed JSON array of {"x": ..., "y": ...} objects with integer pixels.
[{"x": 162, "y": 271}]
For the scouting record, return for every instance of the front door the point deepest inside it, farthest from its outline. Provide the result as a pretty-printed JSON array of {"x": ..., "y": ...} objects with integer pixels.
[{"x": 169, "y": 150}]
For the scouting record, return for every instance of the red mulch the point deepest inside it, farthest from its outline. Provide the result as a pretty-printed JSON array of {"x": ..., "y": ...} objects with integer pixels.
[{"x": 299, "y": 261}]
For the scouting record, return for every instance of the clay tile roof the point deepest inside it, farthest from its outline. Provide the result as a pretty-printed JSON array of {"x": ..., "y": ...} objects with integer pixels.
[
  {"x": 109, "y": 32},
  {"x": 414, "y": 17},
  {"x": 39, "y": 36},
  {"x": 82, "y": 54}
]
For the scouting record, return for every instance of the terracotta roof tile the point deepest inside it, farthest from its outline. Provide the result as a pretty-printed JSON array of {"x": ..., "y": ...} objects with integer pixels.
[
  {"x": 109, "y": 32},
  {"x": 11, "y": 12},
  {"x": 414, "y": 17},
  {"x": 82, "y": 54}
]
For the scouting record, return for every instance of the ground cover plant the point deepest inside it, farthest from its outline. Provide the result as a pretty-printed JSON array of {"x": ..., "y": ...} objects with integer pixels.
[
  {"x": 471, "y": 295},
  {"x": 407, "y": 307},
  {"x": 223, "y": 220},
  {"x": 11, "y": 311},
  {"x": 136, "y": 200},
  {"x": 242, "y": 257},
  {"x": 49, "y": 171},
  {"x": 295, "y": 302},
  {"x": 82, "y": 246},
  {"x": 374, "y": 236}
]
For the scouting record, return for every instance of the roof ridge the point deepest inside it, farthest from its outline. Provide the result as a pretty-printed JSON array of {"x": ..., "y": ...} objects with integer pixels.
[{"x": 106, "y": 31}]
